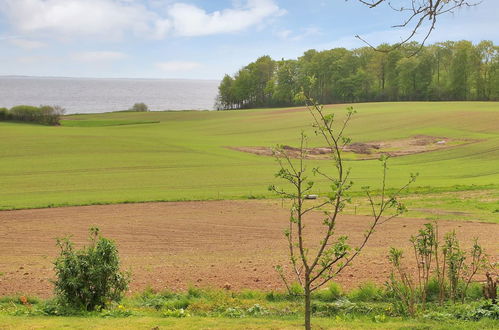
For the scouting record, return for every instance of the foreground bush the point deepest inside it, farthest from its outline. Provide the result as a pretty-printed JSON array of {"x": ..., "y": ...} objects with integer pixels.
[
  {"x": 445, "y": 271},
  {"x": 90, "y": 278},
  {"x": 45, "y": 114}
]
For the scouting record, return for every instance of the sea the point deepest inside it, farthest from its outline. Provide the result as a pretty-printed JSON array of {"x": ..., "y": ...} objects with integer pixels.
[{"x": 97, "y": 95}]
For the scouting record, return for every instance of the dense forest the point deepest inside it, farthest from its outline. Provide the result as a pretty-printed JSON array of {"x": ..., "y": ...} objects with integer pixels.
[{"x": 439, "y": 72}]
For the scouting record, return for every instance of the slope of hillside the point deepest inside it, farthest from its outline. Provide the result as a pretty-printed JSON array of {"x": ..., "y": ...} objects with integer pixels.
[{"x": 133, "y": 157}]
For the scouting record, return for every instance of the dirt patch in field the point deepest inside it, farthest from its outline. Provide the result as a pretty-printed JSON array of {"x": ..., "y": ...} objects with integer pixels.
[
  {"x": 206, "y": 244},
  {"x": 369, "y": 150}
]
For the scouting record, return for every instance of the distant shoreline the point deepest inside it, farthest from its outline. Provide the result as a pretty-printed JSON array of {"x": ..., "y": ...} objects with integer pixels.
[
  {"x": 98, "y": 95},
  {"x": 104, "y": 78}
]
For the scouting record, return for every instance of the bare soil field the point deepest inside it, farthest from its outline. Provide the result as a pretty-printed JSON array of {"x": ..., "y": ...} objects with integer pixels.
[
  {"x": 370, "y": 150},
  {"x": 207, "y": 244}
]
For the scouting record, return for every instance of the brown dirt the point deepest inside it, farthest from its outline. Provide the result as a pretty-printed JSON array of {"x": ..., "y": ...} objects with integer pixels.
[
  {"x": 174, "y": 245},
  {"x": 370, "y": 150}
]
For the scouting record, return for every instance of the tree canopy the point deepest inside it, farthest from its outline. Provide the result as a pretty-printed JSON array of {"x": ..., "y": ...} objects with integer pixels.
[{"x": 440, "y": 72}]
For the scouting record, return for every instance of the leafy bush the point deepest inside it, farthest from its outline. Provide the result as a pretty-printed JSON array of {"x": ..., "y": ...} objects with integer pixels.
[
  {"x": 274, "y": 296},
  {"x": 20, "y": 300},
  {"x": 51, "y": 115},
  {"x": 295, "y": 289},
  {"x": 181, "y": 303},
  {"x": 176, "y": 313},
  {"x": 156, "y": 300},
  {"x": 367, "y": 292},
  {"x": 233, "y": 312},
  {"x": 332, "y": 293},
  {"x": 194, "y": 292},
  {"x": 26, "y": 113},
  {"x": 250, "y": 294},
  {"x": 477, "y": 311},
  {"x": 475, "y": 291},
  {"x": 257, "y": 310},
  {"x": 140, "y": 107},
  {"x": 486, "y": 309},
  {"x": 89, "y": 278},
  {"x": 433, "y": 289},
  {"x": 341, "y": 306},
  {"x": 4, "y": 114},
  {"x": 45, "y": 114},
  {"x": 119, "y": 311},
  {"x": 54, "y": 307}
]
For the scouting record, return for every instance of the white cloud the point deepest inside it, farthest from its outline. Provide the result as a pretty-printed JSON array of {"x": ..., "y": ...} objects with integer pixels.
[
  {"x": 189, "y": 20},
  {"x": 304, "y": 33},
  {"x": 98, "y": 56},
  {"x": 68, "y": 17},
  {"x": 176, "y": 66},
  {"x": 27, "y": 44},
  {"x": 114, "y": 18}
]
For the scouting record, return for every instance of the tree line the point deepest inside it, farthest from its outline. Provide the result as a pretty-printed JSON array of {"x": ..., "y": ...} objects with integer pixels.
[
  {"x": 44, "y": 114},
  {"x": 444, "y": 71}
]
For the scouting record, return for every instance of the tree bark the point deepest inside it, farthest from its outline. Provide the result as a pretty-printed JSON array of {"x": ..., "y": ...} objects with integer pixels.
[{"x": 308, "y": 308}]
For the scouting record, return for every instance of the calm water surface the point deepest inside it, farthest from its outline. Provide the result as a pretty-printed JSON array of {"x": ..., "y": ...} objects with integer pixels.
[{"x": 82, "y": 95}]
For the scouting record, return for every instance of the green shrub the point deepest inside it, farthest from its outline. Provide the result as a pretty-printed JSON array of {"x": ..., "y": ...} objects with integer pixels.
[
  {"x": 140, "y": 107},
  {"x": 176, "y": 313},
  {"x": 194, "y": 292},
  {"x": 26, "y": 113},
  {"x": 156, "y": 300},
  {"x": 45, "y": 114},
  {"x": 181, "y": 303},
  {"x": 295, "y": 289},
  {"x": 51, "y": 115},
  {"x": 119, "y": 311},
  {"x": 4, "y": 114},
  {"x": 274, "y": 296},
  {"x": 332, "y": 293},
  {"x": 54, "y": 307},
  {"x": 250, "y": 294},
  {"x": 257, "y": 310},
  {"x": 233, "y": 312},
  {"x": 89, "y": 278},
  {"x": 367, "y": 292},
  {"x": 343, "y": 306},
  {"x": 433, "y": 289},
  {"x": 475, "y": 291},
  {"x": 477, "y": 311},
  {"x": 19, "y": 300}
]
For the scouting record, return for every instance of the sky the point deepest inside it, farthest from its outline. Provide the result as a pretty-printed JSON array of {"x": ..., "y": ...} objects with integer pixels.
[{"x": 199, "y": 39}]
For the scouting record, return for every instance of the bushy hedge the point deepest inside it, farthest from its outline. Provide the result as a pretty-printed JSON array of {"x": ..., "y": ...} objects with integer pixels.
[
  {"x": 44, "y": 114},
  {"x": 139, "y": 107},
  {"x": 89, "y": 278},
  {"x": 4, "y": 114}
]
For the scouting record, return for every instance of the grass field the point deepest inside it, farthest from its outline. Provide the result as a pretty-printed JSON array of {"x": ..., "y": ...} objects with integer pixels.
[
  {"x": 217, "y": 309},
  {"x": 127, "y": 157},
  {"x": 149, "y": 322},
  {"x": 135, "y": 157}
]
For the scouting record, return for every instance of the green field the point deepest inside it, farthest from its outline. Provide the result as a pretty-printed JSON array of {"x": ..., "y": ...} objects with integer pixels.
[
  {"x": 219, "y": 309},
  {"x": 148, "y": 322},
  {"x": 162, "y": 156}
]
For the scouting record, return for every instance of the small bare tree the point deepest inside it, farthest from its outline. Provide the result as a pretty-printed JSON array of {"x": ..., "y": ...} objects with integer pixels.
[{"x": 316, "y": 263}]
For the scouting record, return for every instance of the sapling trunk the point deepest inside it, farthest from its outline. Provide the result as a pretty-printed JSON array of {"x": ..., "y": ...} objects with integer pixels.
[{"x": 315, "y": 264}]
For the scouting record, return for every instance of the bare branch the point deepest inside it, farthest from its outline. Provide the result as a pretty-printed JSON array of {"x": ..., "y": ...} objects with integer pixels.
[{"x": 419, "y": 11}]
